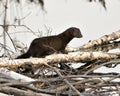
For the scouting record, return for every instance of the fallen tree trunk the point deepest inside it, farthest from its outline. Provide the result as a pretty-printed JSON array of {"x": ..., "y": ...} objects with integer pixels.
[
  {"x": 103, "y": 48},
  {"x": 2, "y": 94},
  {"x": 15, "y": 76},
  {"x": 103, "y": 40},
  {"x": 56, "y": 58}
]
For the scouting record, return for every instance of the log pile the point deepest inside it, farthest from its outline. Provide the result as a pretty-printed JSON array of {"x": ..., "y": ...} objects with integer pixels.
[{"x": 55, "y": 75}]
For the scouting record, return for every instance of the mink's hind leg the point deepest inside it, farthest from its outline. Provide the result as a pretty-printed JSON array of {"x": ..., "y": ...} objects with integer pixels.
[{"x": 64, "y": 51}]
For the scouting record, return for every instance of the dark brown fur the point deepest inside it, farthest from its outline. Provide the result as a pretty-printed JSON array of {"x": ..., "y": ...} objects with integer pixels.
[{"x": 41, "y": 47}]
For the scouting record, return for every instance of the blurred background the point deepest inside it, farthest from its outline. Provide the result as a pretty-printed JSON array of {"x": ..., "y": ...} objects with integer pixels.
[{"x": 29, "y": 19}]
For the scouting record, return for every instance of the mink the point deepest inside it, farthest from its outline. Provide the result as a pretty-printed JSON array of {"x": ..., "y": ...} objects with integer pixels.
[{"x": 40, "y": 47}]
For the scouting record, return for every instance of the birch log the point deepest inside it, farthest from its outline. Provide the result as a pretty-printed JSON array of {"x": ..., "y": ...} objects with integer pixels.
[
  {"x": 56, "y": 58},
  {"x": 105, "y": 48},
  {"x": 3, "y": 94},
  {"x": 104, "y": 39},
  {"x": 15, "y": 76}
]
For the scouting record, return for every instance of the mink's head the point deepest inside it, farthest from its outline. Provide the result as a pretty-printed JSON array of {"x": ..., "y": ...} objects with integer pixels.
[{"x": 75, "y": 32}]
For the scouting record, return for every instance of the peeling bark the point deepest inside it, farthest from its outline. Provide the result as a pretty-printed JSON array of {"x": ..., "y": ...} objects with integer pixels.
[
  {"x": 103, "y": 40},
  {"x": 56, "y": 58},
  {"x": 15, "y": 75}
]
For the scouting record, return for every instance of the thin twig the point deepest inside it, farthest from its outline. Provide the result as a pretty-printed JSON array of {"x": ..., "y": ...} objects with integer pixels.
[
  {"x": 98, "y": 66},
  {"x": 66, "y": 81}
]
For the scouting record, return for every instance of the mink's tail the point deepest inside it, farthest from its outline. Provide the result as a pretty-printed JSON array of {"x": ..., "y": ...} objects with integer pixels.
[{"x": 25, "y": 55}]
